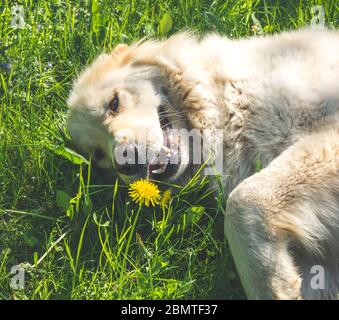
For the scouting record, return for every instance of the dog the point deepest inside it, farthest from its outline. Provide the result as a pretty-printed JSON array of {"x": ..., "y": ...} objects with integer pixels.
[{"x": 275, "y": 99}]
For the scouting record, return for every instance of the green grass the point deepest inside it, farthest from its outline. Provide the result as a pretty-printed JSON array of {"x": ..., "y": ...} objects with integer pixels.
[{"x": 75, "y": 232}]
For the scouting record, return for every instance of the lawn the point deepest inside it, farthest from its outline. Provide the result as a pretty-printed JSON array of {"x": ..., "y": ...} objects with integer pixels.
[{"x": 73, "y": 230}]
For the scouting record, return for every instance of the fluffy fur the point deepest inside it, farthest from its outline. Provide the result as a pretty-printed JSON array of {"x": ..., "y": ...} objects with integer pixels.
[{"x": 276, "y": 98}]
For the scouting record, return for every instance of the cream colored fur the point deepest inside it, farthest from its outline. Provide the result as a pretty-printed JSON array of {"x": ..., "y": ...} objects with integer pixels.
[{"x": 277, "y": 100}]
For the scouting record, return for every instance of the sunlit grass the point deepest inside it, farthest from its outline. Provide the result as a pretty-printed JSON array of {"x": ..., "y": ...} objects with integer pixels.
[{"x": 78, "y": 234}]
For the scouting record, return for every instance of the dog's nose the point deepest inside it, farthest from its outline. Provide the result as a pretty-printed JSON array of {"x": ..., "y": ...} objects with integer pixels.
[{"x": 126, "y": 159}]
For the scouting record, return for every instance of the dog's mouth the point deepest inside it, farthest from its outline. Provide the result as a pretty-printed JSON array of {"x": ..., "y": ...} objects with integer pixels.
[
  {"x": 163, "y": 165},
  {"x": 167, "y": 163}
]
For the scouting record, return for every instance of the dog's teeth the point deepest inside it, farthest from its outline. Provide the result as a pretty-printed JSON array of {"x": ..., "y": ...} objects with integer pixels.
[
  {"x": 157, "y": 171},
  {"x": 160, "y": 170}
]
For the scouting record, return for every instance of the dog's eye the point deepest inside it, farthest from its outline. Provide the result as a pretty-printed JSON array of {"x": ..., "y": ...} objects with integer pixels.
[{"x": 114, "y": 104}]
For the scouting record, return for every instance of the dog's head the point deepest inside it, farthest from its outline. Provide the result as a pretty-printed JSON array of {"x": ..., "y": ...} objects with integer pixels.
[{"x": 123, "y": 115}]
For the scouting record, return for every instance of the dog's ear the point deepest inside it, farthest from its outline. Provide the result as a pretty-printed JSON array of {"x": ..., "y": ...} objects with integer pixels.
[
  {"x": 173, "y": 77},
  {"x": 120, "y": 48},
  {"x": 183, "y": 90}
]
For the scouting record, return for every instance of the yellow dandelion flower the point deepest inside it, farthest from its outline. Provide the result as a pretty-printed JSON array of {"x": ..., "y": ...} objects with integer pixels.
[
  {"x": 144, "y": 192},
  {"x": 166, "y": 197}
]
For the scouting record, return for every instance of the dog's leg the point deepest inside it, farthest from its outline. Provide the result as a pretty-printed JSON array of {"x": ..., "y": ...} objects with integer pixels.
[
  {"x": 266, "y": 269},
  {"x": 292, "y": 202}
]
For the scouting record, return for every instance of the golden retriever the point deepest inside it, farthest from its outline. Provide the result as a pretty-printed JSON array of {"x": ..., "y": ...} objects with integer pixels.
[{"x": 275, "y": 99}]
